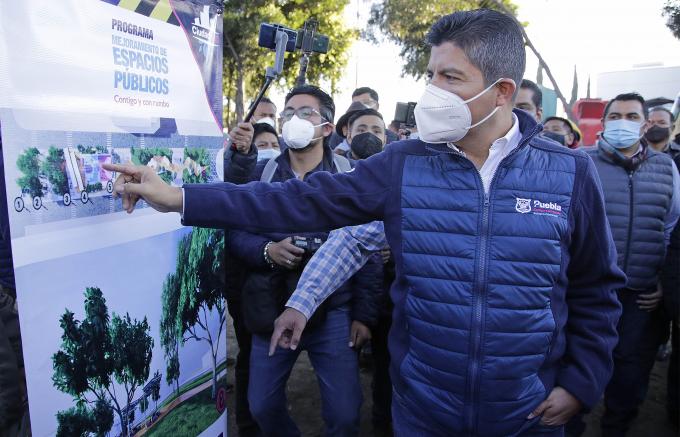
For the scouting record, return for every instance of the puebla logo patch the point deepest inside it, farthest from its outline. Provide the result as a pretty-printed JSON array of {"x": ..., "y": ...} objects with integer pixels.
[
  {"x": 523, "y": 205},
  {"x": 537, "y": 207}
]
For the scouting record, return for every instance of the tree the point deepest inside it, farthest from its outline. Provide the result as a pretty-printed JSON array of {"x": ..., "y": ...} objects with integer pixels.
[
  {"x": 198, "y": 282},
  {"x": 245, "y": 62},
  {"x": 196, "y": 165},
  {"x": 156, "y": 390},
  {"x": 75, "y": 422},
  {"x": 93, "y": 353},
  {"x": 131, "y": 355},
  {"x": 144, "y": 404},
  {"x": 169, "y": 334},
  {"x": 406, "y": 22},
  {"x": 144, "y": 156},
  {"x": 671, "y": 11},
  {"x": 54, "y": 168},
  {"x": 29, "y": 164}
]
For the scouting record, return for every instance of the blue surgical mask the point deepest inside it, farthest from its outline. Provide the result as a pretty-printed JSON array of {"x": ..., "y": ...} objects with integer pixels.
[
  {"x": 267, "y": 154},
  {"x": 621, "y": 134}
]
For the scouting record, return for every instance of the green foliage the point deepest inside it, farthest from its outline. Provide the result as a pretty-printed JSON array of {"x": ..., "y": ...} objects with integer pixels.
[
  {"x": 91, "y": 188},
  {"x": 96, "y": 350},
  {"x": 242, "y": 55},
  {"x": 190, "y": 418},
  {"x": 29, "y": 164},
  {"x": 201, "y": 158},
  {"x": 406, "y": 22},
  {"x": 102, "y": 414},
  {"x": 91, "y": 150},
  {"x": 75, "y": 422},
  {"x": 144, "y": 156},
  {"x": 169, "y": 335},
  {"x": 156, "y": 389},
  {"x": 144, "y": 404},
  {"x": 54, "y": 168},
  {"x": 671, "y": 11}
]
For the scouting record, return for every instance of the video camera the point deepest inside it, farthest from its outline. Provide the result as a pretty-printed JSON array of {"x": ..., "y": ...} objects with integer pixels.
[
  {"x": 309, "y": 245},
  {"x": 404, "y": 115}
]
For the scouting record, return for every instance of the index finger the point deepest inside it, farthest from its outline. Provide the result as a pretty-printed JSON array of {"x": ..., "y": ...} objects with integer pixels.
[
  {"x": 128, "y": 169},
  {"x": 276, "y": 335}
]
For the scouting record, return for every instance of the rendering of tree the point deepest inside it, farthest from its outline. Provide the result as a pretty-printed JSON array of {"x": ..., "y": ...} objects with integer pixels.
[
  {"x": 198, "y": 283},
  {"x": 93, "y": 354},
  {"x": 144, "y": 156},
  {"x": 169, "y": 334},
  {"x": 671, "y": 11},
  {"x": 245, "y": 62},
  {"x": 29, "y": 164},
  {"x": 197, "y": 164},
  {"x": 54, "y": 168},
  {"x": 144, "y": 404},
  {"x": 156, "y": 391}
]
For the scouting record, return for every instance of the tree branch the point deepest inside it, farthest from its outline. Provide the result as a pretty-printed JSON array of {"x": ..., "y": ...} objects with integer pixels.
[{"x": 541, "y": 61}]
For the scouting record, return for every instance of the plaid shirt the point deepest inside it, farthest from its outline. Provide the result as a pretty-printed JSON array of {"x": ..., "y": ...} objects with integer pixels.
[{"x": 341, "y": 256}]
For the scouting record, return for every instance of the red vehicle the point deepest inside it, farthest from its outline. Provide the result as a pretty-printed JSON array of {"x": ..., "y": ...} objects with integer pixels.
[{"x": 588, "y": 113}]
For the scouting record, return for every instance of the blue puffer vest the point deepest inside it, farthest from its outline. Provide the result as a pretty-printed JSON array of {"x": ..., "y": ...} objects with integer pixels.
[
  {"x": 637, "y": 198},
  {"x": 485, "y": 277}
]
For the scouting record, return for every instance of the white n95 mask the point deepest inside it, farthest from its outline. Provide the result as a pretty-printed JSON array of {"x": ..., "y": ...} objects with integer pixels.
[
  {"x": 443, "y": 117},
  {"x": 299, "y": 133}
]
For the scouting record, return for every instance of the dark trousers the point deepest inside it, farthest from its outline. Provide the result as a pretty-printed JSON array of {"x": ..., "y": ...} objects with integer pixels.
[
  {"x": 247, "y": 427},
  {"x": 640, "y": 334},
  {"x": 382, "y": 384},
  {"x": 672, "y": 405},
  {"x": 337, "y": 369}
]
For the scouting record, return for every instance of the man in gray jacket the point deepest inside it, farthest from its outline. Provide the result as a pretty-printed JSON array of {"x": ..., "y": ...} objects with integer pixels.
[{"x": 642, "y": 197}]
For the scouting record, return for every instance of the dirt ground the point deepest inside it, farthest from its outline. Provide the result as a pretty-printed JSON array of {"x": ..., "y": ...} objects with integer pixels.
[{"x": 305, "y": 402}]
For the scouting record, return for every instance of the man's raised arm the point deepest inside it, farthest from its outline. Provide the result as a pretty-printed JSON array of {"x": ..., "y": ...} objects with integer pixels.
[{"x": 323, "y": 201}]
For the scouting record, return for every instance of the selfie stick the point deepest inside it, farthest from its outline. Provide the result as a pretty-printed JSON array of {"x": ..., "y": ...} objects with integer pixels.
[{"x": 272, "y": 72}]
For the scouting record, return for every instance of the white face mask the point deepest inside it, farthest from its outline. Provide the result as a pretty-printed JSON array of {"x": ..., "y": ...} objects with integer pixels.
[
  {"x": 299, "y": 133},
  {"x": 267, "y": 154},
  {"x": 443, "y": 117},
  {"x": 267, "y": 120}
]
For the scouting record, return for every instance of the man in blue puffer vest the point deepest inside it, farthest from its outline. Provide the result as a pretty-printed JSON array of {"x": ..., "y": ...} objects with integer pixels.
[{"x": 505, "y": 308}]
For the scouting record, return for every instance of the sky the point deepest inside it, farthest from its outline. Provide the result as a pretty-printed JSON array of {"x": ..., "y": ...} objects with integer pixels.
[{"x": 596, "y": 36}]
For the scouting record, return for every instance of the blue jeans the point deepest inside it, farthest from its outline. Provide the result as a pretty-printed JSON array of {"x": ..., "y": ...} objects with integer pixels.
[
  {"x": 406, "y": 424},
  {"x": 337, "y": 370}
]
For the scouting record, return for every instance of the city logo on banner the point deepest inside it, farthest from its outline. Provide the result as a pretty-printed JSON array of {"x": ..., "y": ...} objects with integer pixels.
[{"x": 203, "y": 26}]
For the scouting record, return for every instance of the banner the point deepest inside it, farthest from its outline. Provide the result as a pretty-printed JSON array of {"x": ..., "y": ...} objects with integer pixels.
[{"x": 122, "y": 317}]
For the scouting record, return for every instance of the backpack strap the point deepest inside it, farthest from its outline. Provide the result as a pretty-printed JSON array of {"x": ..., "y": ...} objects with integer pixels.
[
  {"x": 341, "y": 163},
  {"x": 269, "y": 169}
]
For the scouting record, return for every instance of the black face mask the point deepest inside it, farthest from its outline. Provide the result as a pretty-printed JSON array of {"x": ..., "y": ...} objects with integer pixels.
[
  {"x": 365, "y": 145},
  {"x": 555, "y": 137},
  {"x": 657, "y": 134}
]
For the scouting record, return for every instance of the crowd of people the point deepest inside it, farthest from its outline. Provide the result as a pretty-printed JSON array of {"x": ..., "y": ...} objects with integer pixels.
[{"x": 506, "y": 276}]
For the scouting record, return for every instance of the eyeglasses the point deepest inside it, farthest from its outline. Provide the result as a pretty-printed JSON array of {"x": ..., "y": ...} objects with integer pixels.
[{"x": 304, "y": 113}]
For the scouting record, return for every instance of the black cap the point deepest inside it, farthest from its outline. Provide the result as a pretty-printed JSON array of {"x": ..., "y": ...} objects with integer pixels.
[{"x": 342, "y": 122}]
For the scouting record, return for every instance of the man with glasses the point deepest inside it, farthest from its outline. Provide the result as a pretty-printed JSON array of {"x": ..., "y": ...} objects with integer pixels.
[{"x": 273, "y": 264}]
